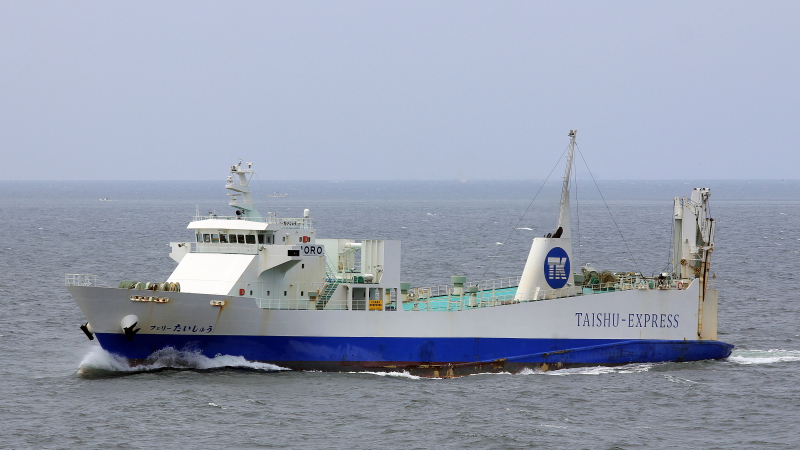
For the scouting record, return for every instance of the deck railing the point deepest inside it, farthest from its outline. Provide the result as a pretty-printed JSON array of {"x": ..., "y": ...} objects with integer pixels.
[
  {"x": 497, "y": 283},
  {"x": 437, "y": 298},
  {"x": 447, "y": 289},
  {"x": 422, "y": 299},
  {"x": 302, "y": 222},
  {"x": 241, "y": 249},
  {"x": 284, "y": 303},
  {"x": 84, "y": 279},
  {"x": 443, "y": 298}
]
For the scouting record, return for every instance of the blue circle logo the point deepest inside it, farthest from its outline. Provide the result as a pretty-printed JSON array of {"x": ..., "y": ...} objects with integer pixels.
[{"x": 556, "y": 267}]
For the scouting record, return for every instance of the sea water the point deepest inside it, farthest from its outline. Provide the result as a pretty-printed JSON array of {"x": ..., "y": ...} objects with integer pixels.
[{"x": 60, "y": 390}]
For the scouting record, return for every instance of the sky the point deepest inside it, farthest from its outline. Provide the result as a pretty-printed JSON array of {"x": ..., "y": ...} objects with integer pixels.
[{"x": 398, "y": 90}]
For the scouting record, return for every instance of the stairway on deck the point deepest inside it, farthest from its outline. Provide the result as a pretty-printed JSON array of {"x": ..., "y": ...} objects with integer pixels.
[{"x": 327, "y": 293}]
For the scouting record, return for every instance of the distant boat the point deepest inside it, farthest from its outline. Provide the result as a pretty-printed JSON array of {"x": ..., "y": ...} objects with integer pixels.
[
  {"x": 277, "y": 195},
  {"x": 106, "y": 199}
]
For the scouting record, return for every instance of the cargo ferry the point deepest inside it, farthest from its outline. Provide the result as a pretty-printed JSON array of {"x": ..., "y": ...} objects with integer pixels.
[{"x": 268, "y": 289}]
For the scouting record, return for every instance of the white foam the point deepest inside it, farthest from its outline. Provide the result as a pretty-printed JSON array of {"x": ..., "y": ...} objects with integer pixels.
[
  {"x": 220, "y": 361},
  {"x": 771, "y": 356},
  {"x": 402, "y": 374},
  {"x": 491, "y": 373},
  {"x": 524, "y": 228},
  {"x": 99, "y": 360},
  {"x": 679, "y": 380},
  {"x": 594, "y": 370}
]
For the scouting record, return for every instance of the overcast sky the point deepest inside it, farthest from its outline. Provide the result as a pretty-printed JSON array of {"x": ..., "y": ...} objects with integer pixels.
[{"x": 398, "y": 90}]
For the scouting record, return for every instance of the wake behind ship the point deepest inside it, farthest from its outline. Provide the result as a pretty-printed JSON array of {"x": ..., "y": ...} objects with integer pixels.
[{"x": 269, "y": 290}]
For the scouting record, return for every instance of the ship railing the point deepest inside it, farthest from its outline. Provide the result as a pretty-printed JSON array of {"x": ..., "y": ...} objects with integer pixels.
[
  {"x": 627, "y": 283},
  {"x": 84, "y": 279},
  {"x": 300, "y": 222},
  {"x": 446, "y": 289},
  {"x": 431, "y": 291},
  {"x": 599, "y": 288},
  {"x": 497, "y": 283},
  {"x": 459, "y": 302},
  {"x": 242, "y": 249},
  {"x": 286, "y": 303},
  {"x": 297, "y": 295},
  {"x": 620, "y": 285},
  {"x": 452, "y": 300},
  {"x": 487, "y": 299},
  {"x": 353, "y": 268},
  {"x": 354, "y": 274}
]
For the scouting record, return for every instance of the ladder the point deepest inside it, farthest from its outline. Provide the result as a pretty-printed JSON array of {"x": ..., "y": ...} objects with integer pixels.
[
  {"x": 332, "y": 281},
  {"x": 327, "y": 293}
]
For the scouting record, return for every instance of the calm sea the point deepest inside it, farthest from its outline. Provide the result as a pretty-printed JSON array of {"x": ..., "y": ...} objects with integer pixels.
[{"x": 59, "y": 390}]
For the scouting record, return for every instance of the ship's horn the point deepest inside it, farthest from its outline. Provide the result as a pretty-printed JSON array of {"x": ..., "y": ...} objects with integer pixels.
[
  {"x": 128, "y": 324},
  {"x": 87, "y": 330}
]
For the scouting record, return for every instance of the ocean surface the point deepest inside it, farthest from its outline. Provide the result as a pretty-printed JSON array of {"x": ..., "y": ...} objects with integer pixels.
[{"x": 59, "y": 390}]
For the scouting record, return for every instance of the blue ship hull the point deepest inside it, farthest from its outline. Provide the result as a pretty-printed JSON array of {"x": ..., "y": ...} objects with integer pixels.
[{"x": 426, "y": 355}]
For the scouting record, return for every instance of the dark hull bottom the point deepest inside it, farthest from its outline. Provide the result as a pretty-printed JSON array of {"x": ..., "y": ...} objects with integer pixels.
[{"x": 437, "y": 357}]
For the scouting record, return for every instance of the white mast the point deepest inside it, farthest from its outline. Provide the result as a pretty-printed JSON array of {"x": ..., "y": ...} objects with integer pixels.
[
  {"x": 564, "y": 214},
  {"x": 548, "y": 267},
  {"x": 245, "y": 206}
]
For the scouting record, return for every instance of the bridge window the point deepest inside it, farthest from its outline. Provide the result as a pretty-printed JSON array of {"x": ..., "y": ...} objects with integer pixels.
[
  {"x": 240, "y": 238},
  {"x": 206, "y": 237},
  {"x": 251, "y": 239},
  {"x": 223, "y": 238},
  {"x": 215, "y": 239},
  {"x": 260, "y": 238},
  {"x": 199, "y": 237}
]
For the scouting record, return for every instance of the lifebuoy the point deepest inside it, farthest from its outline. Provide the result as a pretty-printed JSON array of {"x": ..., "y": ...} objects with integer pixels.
[{"x": 680, "y": 284}]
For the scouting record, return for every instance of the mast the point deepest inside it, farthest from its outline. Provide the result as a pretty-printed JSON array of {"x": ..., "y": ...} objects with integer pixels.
[
  {"x": 564, "y": 213},
  {"x": 245, "y": 207},
  {"x": 548, "y": 268}
]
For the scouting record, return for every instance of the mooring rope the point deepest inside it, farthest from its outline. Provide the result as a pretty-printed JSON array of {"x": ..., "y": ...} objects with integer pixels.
[
  {"x": 501, "y": 247},
  {"x": 609, "y": 210}
]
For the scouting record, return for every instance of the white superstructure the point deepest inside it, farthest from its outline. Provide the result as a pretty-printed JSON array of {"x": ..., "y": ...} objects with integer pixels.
[{"x": 280, "y": 261}]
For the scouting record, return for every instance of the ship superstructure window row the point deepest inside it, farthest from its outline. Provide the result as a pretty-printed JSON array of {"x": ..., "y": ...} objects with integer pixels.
[{"x": 213, "y": 238}]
